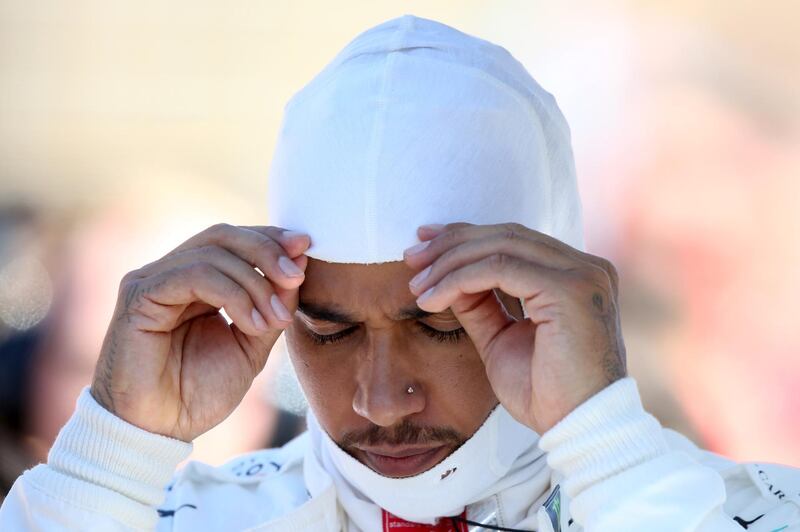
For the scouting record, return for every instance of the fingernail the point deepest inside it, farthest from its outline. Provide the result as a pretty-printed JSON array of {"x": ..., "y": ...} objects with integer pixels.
[
  {"x": 425, "y": 295},
  {"x": 293, "y": 234},
  {"x": 279, "y": 309},
  {"x": 421, "y": 276},
  {"x": 413, "y": 250},
  {"x": 288, "y": 267},
  {"x": 435, "y": 228},
  {"x": 258, "y": 320},
  {"x": 297, "y": 235}
]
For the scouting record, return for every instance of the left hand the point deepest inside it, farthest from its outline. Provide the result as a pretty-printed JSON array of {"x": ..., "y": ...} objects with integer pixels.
[{"x": 569, "y": 348}]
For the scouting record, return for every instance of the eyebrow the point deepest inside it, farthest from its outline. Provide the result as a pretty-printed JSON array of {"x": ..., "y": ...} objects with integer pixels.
[{"x": 335, "y": 315}]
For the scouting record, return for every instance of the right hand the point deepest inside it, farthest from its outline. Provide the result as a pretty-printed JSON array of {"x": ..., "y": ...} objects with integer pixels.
[{"x": 170, "y": 363}]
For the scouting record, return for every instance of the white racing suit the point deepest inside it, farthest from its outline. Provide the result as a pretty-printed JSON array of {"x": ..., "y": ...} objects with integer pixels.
[{"x": 610, "y": 467}]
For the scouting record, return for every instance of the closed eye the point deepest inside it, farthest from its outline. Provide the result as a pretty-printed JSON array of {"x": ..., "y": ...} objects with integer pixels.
[
  {"x": 442, "y": 336},
  {"x": 322, "y": 339},
  {"x": 450, "y": 336}
]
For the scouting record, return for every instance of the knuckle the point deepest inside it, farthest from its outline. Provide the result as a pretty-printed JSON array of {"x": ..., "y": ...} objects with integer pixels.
[
  {"x": 498, "y": 261},
  {"x": 606, "y": 272},
  {"x": 549, "y": 246},
  {"x": 197, "y": 270},
  {"x": 452, "y": 236},
  {"x": 272, "y": 231},
  {"x": 509, "y": 233},
  {"x": 219, "y": 284},
  {"x": 257, "y": 283},
  {"x": 611, "y": 269},
  {"x": 234, "y": 291},
  {"x": 511, "y": 226},
  {"x": 268, "y": 248},
  {"x": 128, "y": 278},
  {"x": 208, "y": 250},
  {"x": 128, "y": 289},
  {"x": 219, "y": 229},
  {"x": 457, "y": 225}
]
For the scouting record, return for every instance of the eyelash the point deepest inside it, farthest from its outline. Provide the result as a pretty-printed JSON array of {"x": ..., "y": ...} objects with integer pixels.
[{"x": 440, "y": 336}]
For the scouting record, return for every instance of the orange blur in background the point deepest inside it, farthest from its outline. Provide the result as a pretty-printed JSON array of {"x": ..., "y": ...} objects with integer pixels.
[{"x": 127, "y": 127}]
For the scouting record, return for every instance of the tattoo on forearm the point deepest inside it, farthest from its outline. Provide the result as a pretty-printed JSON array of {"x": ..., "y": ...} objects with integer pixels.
[
  {"x": 102, "y": 385},
  {"x": 614, "y": 356},
  {"x": 103, "y": 378}
]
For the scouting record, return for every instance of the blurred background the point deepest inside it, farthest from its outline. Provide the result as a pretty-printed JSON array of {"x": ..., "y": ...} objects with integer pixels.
[{"x": 126, "y": 127}]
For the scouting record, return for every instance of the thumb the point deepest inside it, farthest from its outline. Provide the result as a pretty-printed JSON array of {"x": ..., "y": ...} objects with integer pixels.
[{"x": 483, "y": 317}]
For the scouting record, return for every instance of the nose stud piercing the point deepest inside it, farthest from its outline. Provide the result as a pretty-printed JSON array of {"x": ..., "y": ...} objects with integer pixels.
[{"x": 410, "y": 390}]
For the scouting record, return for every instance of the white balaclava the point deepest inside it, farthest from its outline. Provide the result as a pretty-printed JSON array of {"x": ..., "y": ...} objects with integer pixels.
[
  {"x": 415, "y": 122},
  {"x": 412, "y": 123}
]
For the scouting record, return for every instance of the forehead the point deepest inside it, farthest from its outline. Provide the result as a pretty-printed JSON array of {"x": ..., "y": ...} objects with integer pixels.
[{"x": 359, "y": 289}]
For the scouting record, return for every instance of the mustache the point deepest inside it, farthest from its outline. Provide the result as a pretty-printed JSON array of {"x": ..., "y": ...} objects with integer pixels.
[{"x": 404, "y": 433}]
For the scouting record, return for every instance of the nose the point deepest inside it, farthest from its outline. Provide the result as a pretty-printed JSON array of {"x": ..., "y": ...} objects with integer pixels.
[{"x": 383, "y": 378}]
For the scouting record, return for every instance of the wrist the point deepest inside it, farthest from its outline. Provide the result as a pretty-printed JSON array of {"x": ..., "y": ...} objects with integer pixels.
[
  {"x": 560, "y": 405},
  {"x": 607, "y": 434},
  {"x": 102, "y": 397},
  {"x": 98, "y": 452}
]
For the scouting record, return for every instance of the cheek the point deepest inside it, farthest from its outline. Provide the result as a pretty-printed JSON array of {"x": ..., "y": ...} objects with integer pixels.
[
  {"x": 324, "y": 376},
  {"x": 458, "y": 389}
]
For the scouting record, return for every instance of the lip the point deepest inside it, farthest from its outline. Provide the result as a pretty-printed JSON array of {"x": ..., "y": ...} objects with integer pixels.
[{"x": 401, "y": 462}]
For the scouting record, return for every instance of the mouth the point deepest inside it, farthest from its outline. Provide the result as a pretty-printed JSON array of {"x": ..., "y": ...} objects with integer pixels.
[{"x": 401, "y": 461}]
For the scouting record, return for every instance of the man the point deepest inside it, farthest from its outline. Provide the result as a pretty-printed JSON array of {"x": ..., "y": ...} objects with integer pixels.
[{"x": 461, "y": 355}]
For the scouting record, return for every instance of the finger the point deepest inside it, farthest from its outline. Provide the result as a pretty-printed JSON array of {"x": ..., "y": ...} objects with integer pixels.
[
  {"x": 429, "y": 231},
  {"x": 475, "y": 249},
  {"x": 512, "y": 275},
  {"x": 433, "y": 230},
  {"x": 156, "y": 301},
  {"x": 294, "y": 242},
  {"x": 194, "y": 310},
  {"x": 458, "y": 234},
  {"x": 258, "y": 287},
  {"x": 483, "y": 317},
  {"x": 440, "y": 238},
  {"x": 297, "y": 240},
  {"x": 471, "y": 293},
  {"x": 257, "y": 248},
  {"x": 288, "y": 297},
  {"x": 301, "y": 261}
]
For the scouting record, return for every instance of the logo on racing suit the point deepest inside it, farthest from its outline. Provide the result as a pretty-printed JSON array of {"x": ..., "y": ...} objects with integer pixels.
[{"x": 553, "y": 508}]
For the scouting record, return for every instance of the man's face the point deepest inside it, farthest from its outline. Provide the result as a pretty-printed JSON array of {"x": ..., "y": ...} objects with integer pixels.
[{"x": 358, "y": 342}]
